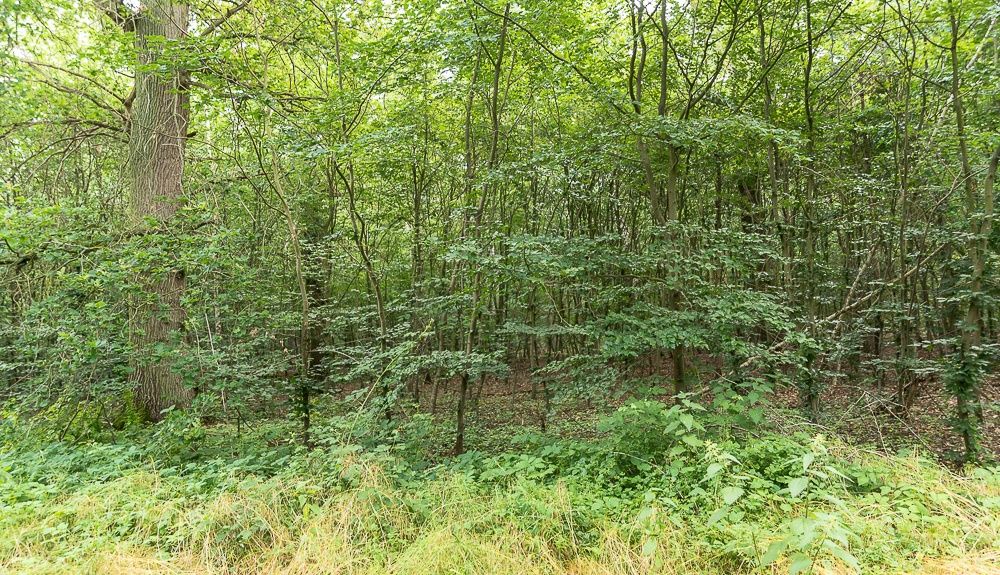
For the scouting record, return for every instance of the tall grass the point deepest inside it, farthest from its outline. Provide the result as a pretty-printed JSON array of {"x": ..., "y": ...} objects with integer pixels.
[{"x": 320, "y": 514}]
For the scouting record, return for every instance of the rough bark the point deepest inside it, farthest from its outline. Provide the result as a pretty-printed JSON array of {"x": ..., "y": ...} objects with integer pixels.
[{"x": 159, "y": 124}]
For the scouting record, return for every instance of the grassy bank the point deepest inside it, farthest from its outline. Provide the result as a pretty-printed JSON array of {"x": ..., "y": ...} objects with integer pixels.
[{"x": 202, "y": 501}]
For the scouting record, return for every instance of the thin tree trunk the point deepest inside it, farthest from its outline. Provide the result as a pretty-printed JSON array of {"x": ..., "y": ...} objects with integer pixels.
[
  {"x": 971, "y": 336},
  {"x": 477, "y": 221}
]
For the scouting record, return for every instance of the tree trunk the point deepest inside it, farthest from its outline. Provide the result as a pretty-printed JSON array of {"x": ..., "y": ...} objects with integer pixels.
[
  {"x": 159, "y": 123},
  {"x": 477, "y": 282},
  {"x": 811, "y": 393},
  {"x": 969, "y": 408}
]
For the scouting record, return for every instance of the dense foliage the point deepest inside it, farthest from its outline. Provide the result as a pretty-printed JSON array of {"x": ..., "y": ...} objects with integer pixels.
[
  {"x": 440, "y": 241},
  {"x": 394, "y": 196}
]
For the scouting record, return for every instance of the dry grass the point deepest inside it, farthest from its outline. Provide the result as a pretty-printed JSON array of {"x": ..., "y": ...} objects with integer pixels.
[
  {"x": 442, "y": 553},
  {"x": 985, "y": 564}
]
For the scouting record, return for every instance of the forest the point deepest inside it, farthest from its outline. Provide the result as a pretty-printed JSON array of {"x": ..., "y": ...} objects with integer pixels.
[{"x": 483, "y": 286}]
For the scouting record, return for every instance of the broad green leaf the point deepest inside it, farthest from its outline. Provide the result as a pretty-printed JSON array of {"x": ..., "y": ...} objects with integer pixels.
[
  {"x": 731, "y": 494},
  {"x": 719, "y": 514},
  {"x": 843, "y": 554},
  {"x": 773, "y": 552},
  {"x": 687, "y": 419},
  {"x": 645, "y": 514},
  {"x": 693, "y": 441},
  {"x": 649, "y": 547},
  {"x": 797, "y": 486},
  {"x": 713, "y": 470},
  {"x": 799, "y": 564}
]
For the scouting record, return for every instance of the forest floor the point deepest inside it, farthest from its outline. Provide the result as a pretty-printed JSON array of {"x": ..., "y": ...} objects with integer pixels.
[
  {"x": 853, "y": 412},
  {"x": 865, "y": 418}
]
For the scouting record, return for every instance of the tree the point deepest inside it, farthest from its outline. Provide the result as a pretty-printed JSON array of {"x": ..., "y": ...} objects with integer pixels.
[{"x": 159, "y": 117}]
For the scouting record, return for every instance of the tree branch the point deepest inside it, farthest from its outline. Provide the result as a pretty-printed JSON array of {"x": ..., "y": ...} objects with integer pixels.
[
  {"x": 214, "y": 24},
  {"x": 118, "y": 14}
]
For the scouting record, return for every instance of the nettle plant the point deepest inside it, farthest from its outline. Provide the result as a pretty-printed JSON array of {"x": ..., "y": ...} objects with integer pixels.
[
  {"x": 806, "y": 488},
  {"x": 683, "y": 466},
  {"x": 647, "y": 434}
]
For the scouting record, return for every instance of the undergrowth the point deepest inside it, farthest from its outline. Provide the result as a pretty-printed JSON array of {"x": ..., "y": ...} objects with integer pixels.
[{"x": 662, "y": 490}]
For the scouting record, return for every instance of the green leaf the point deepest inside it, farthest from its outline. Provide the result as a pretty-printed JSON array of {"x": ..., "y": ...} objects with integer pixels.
[
  {"x": 799, "y": 564},
  {"x": 693, "y": 441},
  {"x": 645, "y": 514},
  {"x": 687, "y": 419},
  {"x": 713, "y": 470},
  {"x": 773, "y": 552},
  {"x": 843, "y": 554},
  {"x": 731, "y": 494},
  {"x": 692, "y": 405},
  {"x": 649, "y": 547},
  {"x": 807, "y": 460},
  {"x": 797, "y": 486},
  {"x": 719, "y": 514},
  {"x": 833, "y": 471}
]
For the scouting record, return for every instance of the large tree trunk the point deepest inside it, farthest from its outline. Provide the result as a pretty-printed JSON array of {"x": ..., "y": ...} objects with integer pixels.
[{"x": 159, "y": 124}]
